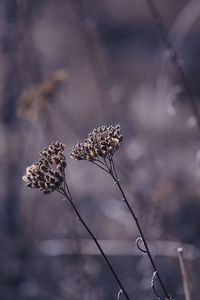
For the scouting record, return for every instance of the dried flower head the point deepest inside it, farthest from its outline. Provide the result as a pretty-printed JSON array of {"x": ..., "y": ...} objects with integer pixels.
[
  {"x": 101, "y": 142},
  {"x": 48, "y": 173}
]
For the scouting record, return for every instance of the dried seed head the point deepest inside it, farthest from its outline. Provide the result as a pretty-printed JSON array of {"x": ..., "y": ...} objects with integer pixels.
[
  {"x": 48, "y": 173},
  {"x": 101, "y": 142}
]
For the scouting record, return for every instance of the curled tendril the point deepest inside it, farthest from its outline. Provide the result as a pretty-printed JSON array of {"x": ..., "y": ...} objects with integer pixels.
[
  {"x": 119, "y": 294},
  {"x": 153, "y": 285},
  {"x": 140, "y": 243}
]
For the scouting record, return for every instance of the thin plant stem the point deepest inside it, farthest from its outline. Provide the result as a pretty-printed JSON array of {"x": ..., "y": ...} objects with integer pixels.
[
  {"x": 96, "y": 163},
  {"x": 114, "y": 169},
  {"x": 184, "y": 274},
  {"x": 107, "y": 166},
  {"x": 142, "y": 235},
  {"x": 113, "y": 174},
  {"x": 174, "y": 58},
  {"x": 69, "y": 198}
]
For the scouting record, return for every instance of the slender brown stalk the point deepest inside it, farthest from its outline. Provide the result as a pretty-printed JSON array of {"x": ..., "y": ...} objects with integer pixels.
[
  {"x": 174, "y": 59},
  {"x": 65, "y": 192},
  {"x": 184, "y": 274}
]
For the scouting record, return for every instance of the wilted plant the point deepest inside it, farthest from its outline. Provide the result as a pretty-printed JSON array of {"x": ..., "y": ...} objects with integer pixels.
[
  {"x": 48, "y": 175},
  {"x": 99, "y": 148}
]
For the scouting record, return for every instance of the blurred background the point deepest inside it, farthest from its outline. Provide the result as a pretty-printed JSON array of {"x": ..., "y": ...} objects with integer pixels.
[{"x": 67, "y": 67}]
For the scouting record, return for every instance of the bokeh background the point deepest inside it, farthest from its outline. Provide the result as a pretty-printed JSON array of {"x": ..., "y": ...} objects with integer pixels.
[{"x": 69, "y": 66}]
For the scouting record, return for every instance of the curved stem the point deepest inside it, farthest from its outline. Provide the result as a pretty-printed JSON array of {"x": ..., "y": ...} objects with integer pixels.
[
  {"x": 142, "y": 235},
  {"x": 64, "y": 193}
]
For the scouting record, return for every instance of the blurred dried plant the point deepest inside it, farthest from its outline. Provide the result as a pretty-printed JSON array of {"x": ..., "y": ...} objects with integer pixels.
[
  {"x": 175, "y": 59},
  {"x": 34, "y": 101}
]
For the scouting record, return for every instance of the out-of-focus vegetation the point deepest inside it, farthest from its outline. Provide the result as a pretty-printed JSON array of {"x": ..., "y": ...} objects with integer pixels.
[{"x": 70, "y": 66}]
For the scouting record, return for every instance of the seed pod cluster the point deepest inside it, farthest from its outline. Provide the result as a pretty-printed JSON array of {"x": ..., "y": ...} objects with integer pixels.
[
  {"x": 48, "y": 173},
  {"x": 101, "y": 142}
]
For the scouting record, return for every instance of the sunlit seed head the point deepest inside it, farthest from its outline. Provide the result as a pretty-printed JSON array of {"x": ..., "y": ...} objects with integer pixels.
[{"x": 101, "y": 142}]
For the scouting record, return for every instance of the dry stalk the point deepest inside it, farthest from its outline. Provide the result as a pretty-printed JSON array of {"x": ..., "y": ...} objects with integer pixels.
[{"x": 184, "y": 274}]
